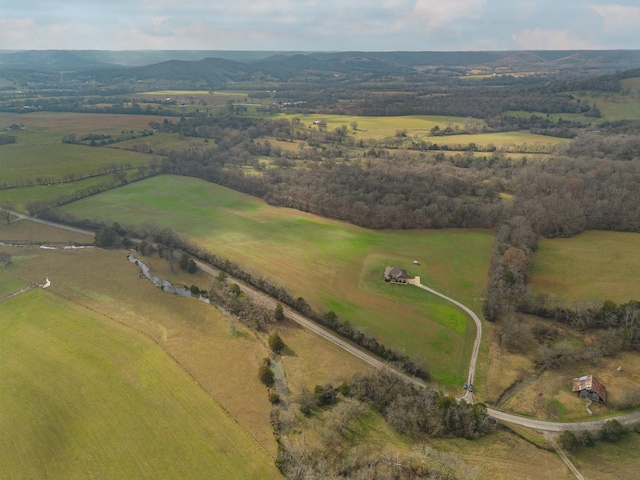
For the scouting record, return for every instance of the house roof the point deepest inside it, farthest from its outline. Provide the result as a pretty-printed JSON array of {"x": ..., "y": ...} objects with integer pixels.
[
  {"x": 589, "y": 382},
  {"x": 395, "y": 273}
]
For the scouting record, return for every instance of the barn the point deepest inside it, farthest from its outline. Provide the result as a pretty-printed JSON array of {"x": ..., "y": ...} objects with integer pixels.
[{"x": 590, "y": 387}]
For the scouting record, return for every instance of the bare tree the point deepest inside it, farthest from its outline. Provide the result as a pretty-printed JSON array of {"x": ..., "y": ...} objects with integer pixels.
[{"x": 6, "y": 209}]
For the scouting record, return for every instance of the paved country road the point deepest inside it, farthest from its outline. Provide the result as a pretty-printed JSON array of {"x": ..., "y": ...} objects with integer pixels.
[{"x": 541, "y": 425}]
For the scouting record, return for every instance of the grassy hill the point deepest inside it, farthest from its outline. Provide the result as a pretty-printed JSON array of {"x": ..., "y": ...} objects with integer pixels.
[
  {"x": 84, "y": 397},
  {"x": 333, "y": 265},
  {"x": 594, "y": 264}
]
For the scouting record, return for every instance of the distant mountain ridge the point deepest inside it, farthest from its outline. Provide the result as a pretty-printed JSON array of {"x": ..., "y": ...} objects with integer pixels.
[{"x": 226, "y": 66}]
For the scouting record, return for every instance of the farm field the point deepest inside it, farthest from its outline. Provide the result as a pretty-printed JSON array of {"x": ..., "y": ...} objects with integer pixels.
[
  {"x": 507, "y": 141},
  {"x": 61, "y": 123},
  {"x": 9, "y": 284},
  {"x": 25, "y": 160},
  {"x": 380, "y": 127},
  {"x": 504, "y": 455},
  {"x": 196, "y": 335},
  {"x": 594, "y": 264},
  {"x": 83, "y": 396},
  {"x": 333, "y": 265},
  {"x": 23, "y": 232},
  {"x": 618, "y": 106},
  {"x": 21, "y": 196},
  {"x": 610, "y": 461}
]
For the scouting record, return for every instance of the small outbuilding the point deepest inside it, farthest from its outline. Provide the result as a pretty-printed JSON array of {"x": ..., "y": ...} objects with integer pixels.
[
  {"x": 590, "y": 387},
  {"x": 395, "y": 275}
]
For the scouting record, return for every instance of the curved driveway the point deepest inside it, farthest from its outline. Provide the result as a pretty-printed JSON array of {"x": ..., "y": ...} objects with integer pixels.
[{"x": 476, "y": 344}]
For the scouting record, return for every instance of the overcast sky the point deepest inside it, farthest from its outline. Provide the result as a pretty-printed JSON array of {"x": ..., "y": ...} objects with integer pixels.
[{"x": 376, "y": 25}]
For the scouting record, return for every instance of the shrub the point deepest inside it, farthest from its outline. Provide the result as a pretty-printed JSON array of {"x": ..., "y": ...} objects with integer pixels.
[
  {"x": 612, "y": 431},
  {"x": 568, "y": 441},
  {"x": 274, "y": 398},
  {"x": 275, "y": 343},
  {"x": 265, "y": 374}
]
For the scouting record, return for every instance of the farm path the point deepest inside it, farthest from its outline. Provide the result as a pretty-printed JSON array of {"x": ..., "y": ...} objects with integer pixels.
[
  {"x": 539, "y": 425},
  {"x": 564, "y": 458},
  {"x": 15, "y": 294}
]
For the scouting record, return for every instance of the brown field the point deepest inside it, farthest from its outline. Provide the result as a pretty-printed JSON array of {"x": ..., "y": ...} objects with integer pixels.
[
  {"x": 79, "y": 122},
  {"x": 557, "y": 402},
  {"x": 24, "y": 231},
  {"x": 610, "y": 461},
  {"x": 505, "y": 456},
  {"x": 502, "y": 369}
]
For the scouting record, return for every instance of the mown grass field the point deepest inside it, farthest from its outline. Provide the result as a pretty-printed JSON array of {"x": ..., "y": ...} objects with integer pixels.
[
  {"x": 333, "y": 265},
  {"x": 594, "y": 264},
  {"x": 84, "y": 397}
]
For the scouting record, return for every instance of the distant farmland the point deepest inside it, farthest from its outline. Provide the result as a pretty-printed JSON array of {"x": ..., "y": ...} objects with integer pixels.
[{"x": 334, "y": 265}]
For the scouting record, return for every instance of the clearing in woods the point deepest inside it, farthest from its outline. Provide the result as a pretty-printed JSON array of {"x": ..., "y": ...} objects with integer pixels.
[{"x": 594, "y": 264}]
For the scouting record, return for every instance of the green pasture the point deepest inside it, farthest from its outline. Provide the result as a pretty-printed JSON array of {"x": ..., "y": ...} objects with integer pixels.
[
  {"x": 161, "y": 141},
  {"x": 334, "y": 265},
  {"x": 30, "y": 161},
  {"x": 578, "y": 117},
  {"x": 21, "y": 196},
  {"x": 632, "y": 84},
  {"x": 616, "y": 106},
  {"x": 594, "y": 264},
  {"x": 84, "y": 397},
  {"x": 9, "y": 284}
]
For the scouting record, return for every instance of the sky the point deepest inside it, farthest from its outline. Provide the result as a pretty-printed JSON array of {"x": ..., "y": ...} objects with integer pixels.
[{"x": 319, "y": 25}]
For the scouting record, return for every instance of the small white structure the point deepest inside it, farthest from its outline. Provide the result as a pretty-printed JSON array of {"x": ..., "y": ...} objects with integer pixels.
[{"x": 415, "y": 262}]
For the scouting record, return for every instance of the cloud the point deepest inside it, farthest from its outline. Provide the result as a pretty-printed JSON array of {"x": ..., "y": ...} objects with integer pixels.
[
  {"x": 437, "y": 15},
  {"x": 540, "y": 39},
  {"x": 618, "y": 17}
]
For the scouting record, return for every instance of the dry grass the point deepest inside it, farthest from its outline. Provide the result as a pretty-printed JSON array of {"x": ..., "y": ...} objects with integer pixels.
[
  {"x": 59, "y": 122},
  {"x": 557, "y": 402},
  {"x": 610, "y": 461},
  {"x": 505, "y": 456},
  {"x": 503, "y": 368},
  {"x": 25, "y": 231}
]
